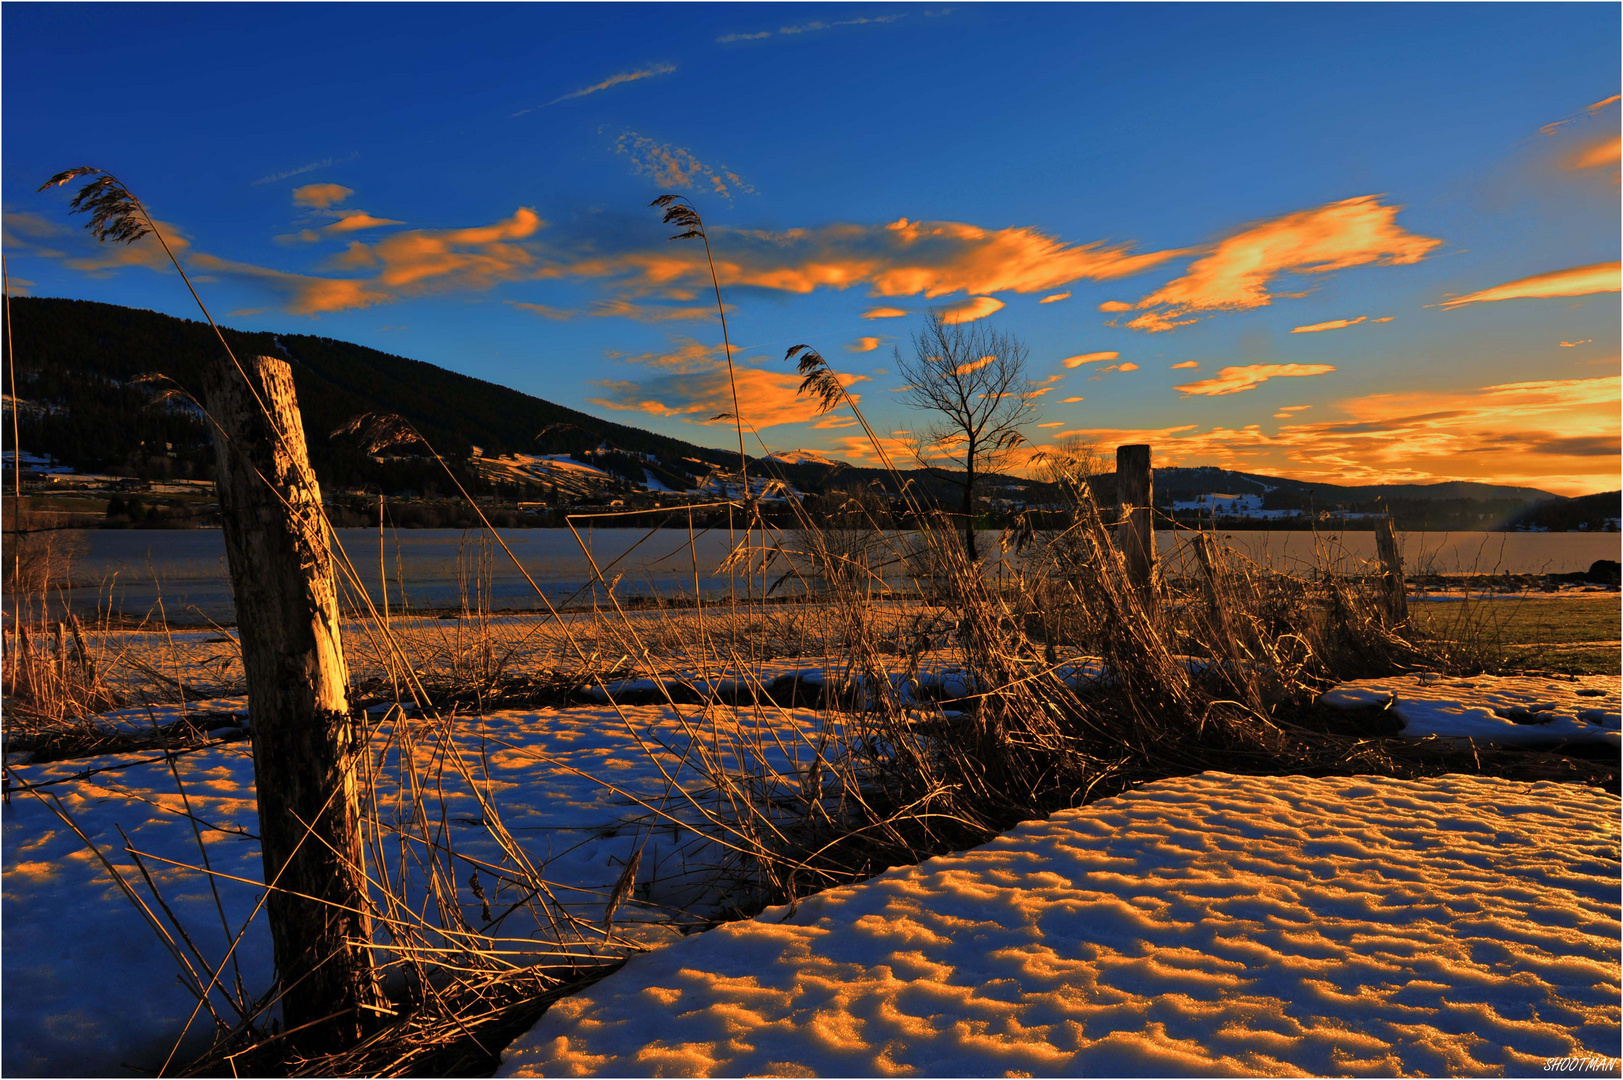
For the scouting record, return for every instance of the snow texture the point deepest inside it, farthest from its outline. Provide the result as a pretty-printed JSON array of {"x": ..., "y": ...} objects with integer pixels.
[
  {"x": 89, "y": 989},
  {"x": 1509, "y": 710},
  {"x": 1208, "y": 925}
]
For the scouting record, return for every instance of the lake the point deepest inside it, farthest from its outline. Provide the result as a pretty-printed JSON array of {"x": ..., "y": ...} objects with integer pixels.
[{"x": 129, "y": 570}]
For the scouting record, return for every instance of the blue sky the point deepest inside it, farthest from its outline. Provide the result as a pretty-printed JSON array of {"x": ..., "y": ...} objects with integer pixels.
[{"x": 468, "y": 185}]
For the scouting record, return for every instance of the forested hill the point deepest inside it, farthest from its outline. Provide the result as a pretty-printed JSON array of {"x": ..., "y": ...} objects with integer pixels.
[
  {"x": 77, "y": 362},
  {"x": 84, "y": 402}
]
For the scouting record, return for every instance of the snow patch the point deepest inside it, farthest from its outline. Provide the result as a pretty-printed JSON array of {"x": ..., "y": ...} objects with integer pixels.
[
  {"x": 1507, "y": 710},
  {"x": 1207, "y": 925}
]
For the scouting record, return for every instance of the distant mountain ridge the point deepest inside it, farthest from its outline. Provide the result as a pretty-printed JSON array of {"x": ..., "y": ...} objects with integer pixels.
[
  {"x": 78, "y": 362},
  {"x": 1209, "y": 479}
]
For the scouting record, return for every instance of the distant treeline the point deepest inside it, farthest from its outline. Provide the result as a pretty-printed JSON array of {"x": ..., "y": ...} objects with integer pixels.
[{"x": 83, "y": 368}]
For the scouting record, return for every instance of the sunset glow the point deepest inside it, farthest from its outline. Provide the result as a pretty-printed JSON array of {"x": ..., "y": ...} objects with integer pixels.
[{"x": 508, "y": 229}]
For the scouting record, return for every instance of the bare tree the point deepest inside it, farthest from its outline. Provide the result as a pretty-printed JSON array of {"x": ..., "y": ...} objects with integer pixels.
[
  {"x": 1072, "y": 466},
  {"x": 971, "y": 379}
]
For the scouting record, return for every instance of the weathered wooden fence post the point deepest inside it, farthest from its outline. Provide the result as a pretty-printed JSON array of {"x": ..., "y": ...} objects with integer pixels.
[
  {"x": 1394, "y": 590},
  {"x": 303, "y": 739},
  {"x": 1135, "y": 534},
  {"x": 1210, "y": 571}
]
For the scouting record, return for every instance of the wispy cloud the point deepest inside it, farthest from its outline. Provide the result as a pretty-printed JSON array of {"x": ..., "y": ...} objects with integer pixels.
[
  {"x": 884, "y": 313},
  {"x": 1598, "y": 155},
  {"x": 1071, "y": 400},
  {"x": 545, "y": 311},
  {"x": 412, "y": 262},
  {"x": 1576, "y": 281},
  {"x": 29, "y": 233},
  {"x": 863, "y": 344},
  {"x": 1089, "y": 358},
  {"x": 1237, "y": 380},
  {"x": 301, "y": 294},
  {"x": 808, "y": 28},
  {"x": 902, "y": 258},
  {"x": 1575, "y": 344},
  {"x": 1333, "y": 324},
  {"x": 356, "y": 220},
  {"x": 1186, "y": 364},
  {"x": 688, "y": 356},
  {"x": 1561, "y": 435},
  {"x": 646, "y": 72},
  {"x": 1240, "y": 270},
  {"x": 1056, "y": 297},
  {"x": 765, "y": 398},
  {"x": 675, "y": 166},
  {"x": 302, "y": 169},
  {"x": 621, "y": 308}
]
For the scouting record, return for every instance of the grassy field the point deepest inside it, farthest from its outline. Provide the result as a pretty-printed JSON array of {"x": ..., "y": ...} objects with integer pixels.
[{"x": 1572, "y": 635}]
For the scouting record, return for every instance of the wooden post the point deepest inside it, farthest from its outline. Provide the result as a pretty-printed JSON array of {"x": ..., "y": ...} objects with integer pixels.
[
  {"x": 1394, "y": 590},
  {"x": 1208, "y": 567},
  {"x": 1135, "y": 534},
  {"x": 303, "y": 737}
]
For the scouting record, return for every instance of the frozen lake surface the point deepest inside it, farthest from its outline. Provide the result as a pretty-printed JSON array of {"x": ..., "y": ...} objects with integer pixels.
[{"x": 130, "y": 569}]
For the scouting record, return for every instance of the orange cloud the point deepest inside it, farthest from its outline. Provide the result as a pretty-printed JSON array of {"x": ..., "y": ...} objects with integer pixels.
[
  {"x": 675, "y": 166},
  {"x": 765, "y": 398},
  {"x": 35, "y": 234},
  {"x": 1071, "y": 400},
  {"x": 903, "y": 258},
  {"x": 1575, "y": 344},
  {"x": 1237, "y": 380},
  {"x": 647, "y": 72},
  {"x": 1561, "y": 435},
  {"x": 1601, "y": 104},
  {"x": 302, "y": 294},
  {"x": 976, "y": 307},
  {"x": 863, "y": 344},
  {"x": 1155, "y": 322},
  {"x": 1052, "y": 423},
  {"x": 1128, "y": 367},
  {"x": 1056, "y": 296},
  {"x": 544, "y": 311},
  {"x": 1186, "y": 364},
  {"x": 1115, "y": 305},
  {"x": 1088, "y": 358},
  {"x": 1577, "y": 281},
  {"x": 1239, "y": 271},
  {"x": 356, "y": 220},
  {"x": 474, "y": 258},
  {"x": 1598, "y": 155},
  {"x": 321, "y": 196},
  {"x": 969, "y": 366},
  {"x": 859, "y": 448},
  {"x": 689, "y": 355},
  {"x": 622, "y": 308},
  {"x": 1333, "y": 324},
  {"x": 884, "y": 313}
]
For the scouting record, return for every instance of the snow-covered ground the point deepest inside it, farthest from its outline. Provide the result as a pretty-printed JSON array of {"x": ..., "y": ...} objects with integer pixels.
[
  {"x": 89, "y": 987},
  {"x": 1209, "y": 925},
  {"x": 1270, "y": 865},
  {"x": 1508, "y": 710}
]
